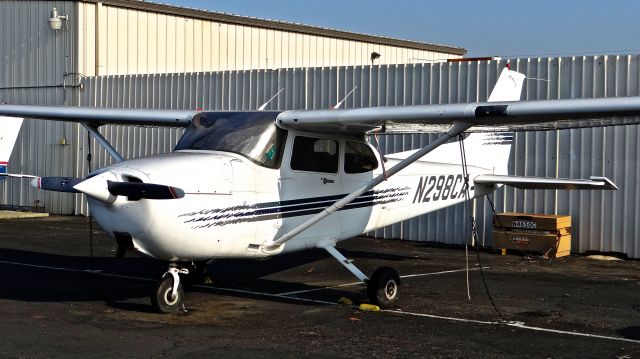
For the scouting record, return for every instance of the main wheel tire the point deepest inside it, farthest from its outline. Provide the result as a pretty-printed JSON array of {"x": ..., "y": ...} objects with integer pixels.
[
  {"x": 161, "y": 297},
  {"x": 383, "y": 287}
]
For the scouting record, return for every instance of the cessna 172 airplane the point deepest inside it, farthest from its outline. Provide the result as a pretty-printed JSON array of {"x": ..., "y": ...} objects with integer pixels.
[{"x": 261, "y": 183}]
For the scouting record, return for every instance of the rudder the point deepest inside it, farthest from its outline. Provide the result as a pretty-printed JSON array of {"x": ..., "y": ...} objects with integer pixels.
[
  {"x": 508, "y": 87},
  {"x": 9, "y": 130}
]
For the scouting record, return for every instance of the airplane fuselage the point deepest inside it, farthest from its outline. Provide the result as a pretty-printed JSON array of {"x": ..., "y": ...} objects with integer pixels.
[{"x": 234, "y": 206}]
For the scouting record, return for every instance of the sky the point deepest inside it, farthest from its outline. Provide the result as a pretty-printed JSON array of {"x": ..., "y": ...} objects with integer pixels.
[{"x": 515, "y": 28}]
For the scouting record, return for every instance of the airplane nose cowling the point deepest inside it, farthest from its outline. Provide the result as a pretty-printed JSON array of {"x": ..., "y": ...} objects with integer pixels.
[
  {"x": 149, "y": 202},
  {"x": 116, "y": 212}
]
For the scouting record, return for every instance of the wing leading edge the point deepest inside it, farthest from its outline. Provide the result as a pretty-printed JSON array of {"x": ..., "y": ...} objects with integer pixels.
[
  {"x": 101, "y": 116},
  {"x": 482, "y": 116}
]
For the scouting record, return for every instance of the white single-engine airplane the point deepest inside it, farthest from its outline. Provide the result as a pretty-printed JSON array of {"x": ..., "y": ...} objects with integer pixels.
[{"x": 260, "y": 183}]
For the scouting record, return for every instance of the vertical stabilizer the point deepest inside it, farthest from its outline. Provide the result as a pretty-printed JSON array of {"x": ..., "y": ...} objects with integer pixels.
[
  {"x": 508, "y": 87},
  {"x": 9, "y": 129}
]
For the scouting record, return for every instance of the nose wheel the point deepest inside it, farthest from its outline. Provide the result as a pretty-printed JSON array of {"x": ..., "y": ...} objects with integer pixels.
[{"x": 168, "y": 294}]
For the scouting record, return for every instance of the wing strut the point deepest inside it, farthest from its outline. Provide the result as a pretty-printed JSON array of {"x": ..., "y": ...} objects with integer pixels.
[
  {"x": 103, "y": 142},
  {"x": 455, "y": 130}
]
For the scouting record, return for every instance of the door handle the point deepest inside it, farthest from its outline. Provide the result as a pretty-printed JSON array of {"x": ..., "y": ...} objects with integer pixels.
[{"x": 327, "y": 180}]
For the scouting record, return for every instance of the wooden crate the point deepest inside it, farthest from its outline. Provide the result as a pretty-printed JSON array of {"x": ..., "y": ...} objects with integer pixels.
[
  {"x": 551, "y": 245},
  {"x": 542, "y": 233},
  {"x": 541, "y": 222}
]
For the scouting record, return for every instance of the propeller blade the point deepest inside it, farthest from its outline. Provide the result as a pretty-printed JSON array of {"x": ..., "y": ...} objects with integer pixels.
[
  {"x": 16, "y": 175},
  {"x": 57, "y": 184},
  {"x": 136, "y": 190}
]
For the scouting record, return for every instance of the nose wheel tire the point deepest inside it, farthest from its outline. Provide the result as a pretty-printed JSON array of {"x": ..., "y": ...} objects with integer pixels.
[
  {"x": 164, "y": 299},
  {"x": 383, "y": 287}
]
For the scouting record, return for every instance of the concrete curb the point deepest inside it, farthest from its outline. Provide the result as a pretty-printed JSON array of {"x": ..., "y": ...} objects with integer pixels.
[{"x": 16, "y": 214}]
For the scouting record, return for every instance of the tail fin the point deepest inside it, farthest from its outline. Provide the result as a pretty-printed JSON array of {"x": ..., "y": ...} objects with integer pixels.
[
  {"x": 492, "y": 150},
  {"x": 508, "y": 87},
  {"x": 9, "y": 129},
  {"x": 486, "y": 150}
]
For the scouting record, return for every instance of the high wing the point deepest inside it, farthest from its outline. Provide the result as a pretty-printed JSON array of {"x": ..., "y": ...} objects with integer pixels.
[
  {"x": 101, "y": 116},
  {"x": 481, "y": 116}
]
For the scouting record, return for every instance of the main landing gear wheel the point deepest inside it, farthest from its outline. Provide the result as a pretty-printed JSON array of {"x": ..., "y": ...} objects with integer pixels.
[
  {"x": 168, "y": 294},
  {"x": 383, "y": 287}
]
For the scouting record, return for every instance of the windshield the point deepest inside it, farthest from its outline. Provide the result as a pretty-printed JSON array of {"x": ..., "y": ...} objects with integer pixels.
[{"x": 253, "y": 135}]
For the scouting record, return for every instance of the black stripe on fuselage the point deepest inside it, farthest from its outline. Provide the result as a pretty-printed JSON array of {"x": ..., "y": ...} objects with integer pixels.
[
  {"x": 291, "y": 214},
  {"x": 286, "y": 205},
  {"x": 282, "y": 209},
  {"x": 310, "y": 200},
  {"x": 289, "y": 208}
]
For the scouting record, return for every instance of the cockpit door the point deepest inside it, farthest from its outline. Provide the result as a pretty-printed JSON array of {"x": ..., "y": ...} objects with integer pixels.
[{"x": 310, "y": 182}]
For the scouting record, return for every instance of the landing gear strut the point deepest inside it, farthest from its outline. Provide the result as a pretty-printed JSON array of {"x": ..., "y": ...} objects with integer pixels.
[
  {"x": 198, "y": 273},
  {"x": 168, "y": 295},
  {"x": 382, "y": 288}
]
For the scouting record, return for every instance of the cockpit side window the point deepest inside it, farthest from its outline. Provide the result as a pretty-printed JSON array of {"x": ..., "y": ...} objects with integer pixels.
[
  {"x": 359, "y": 158},
  {"x": 315, "y": 155}
]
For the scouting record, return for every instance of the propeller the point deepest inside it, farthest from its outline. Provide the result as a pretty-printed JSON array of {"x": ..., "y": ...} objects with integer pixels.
[
  {"x": 92, "y": 187},
  {"x": 138, "y": 190}
]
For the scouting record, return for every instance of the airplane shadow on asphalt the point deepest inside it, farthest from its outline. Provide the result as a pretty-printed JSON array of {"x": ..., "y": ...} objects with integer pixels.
[{"x": 34, "y": 277}]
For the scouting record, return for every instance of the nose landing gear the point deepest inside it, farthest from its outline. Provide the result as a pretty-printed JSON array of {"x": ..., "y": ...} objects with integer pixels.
[{"x": 168, "y": 295}]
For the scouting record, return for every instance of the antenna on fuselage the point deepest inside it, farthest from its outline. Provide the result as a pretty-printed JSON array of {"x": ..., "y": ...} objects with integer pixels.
[
  {"x": 337, "y": 106},
  {"x": 264, "y": 105}
]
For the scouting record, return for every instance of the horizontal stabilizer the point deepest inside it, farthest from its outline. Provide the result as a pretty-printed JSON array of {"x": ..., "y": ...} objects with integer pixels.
[{"x": 546, "y": 183}]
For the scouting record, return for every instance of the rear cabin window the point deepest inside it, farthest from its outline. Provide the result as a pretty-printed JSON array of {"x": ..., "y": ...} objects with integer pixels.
[
  {"x": 314, "y": 155},
  {"x": 359, "y": 158}
]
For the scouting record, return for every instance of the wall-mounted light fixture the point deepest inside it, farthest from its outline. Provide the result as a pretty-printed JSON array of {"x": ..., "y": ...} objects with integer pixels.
[
  {"x": 55, "y": 22},
  {"x": 374, "y": 57}
]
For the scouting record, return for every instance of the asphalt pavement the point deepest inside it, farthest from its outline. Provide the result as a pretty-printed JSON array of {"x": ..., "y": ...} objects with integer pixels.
[{"x": 64, "y": 297}]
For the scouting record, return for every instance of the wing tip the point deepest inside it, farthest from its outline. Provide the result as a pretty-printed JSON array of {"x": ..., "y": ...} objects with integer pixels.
[{"x": 607, "y": 183}]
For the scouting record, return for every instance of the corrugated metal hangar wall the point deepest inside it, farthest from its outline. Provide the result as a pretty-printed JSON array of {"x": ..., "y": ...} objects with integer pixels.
[
  {"x": 117, "y": 37},
  {"x": 113, "y": 37},
  {"x": 602, "y": 221}
]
